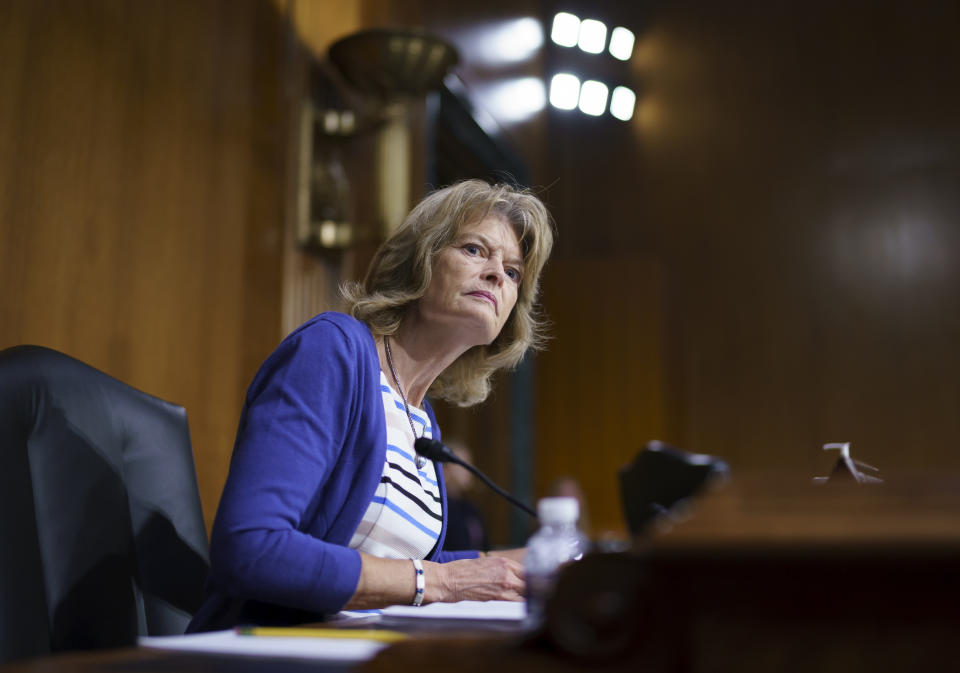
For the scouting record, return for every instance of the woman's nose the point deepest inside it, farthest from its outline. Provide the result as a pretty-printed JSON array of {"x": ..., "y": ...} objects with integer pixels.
[{"x": 494, "y": 270}]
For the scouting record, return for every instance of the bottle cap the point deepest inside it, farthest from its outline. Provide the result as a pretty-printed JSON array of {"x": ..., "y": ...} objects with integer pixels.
[{"x": 558, "y": 510}]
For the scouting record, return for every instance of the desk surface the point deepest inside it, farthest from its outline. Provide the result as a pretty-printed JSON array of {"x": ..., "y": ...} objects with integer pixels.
[
  {"x": 823, "y": 581},
  {"x": 425, "y": 634},
  {"x": 493, "y": 653},
  {"x": 163, "y": 661}
]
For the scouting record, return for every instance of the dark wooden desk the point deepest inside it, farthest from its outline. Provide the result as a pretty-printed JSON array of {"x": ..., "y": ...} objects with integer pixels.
[
  {"x": 144, "y": 660},
  {"x": 766, "y": 576},
  {"x": 427, "y": 633},
  {"x": 769, "y": 574}
]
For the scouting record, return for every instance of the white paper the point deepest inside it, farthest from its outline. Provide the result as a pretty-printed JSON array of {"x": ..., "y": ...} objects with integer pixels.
[
  {"x": 505, "y": 610},
  {"x": 230, "y": 642}
]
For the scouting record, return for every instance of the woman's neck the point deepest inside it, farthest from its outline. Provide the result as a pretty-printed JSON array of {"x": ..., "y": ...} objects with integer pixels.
[{"x": 419, "y": 357}]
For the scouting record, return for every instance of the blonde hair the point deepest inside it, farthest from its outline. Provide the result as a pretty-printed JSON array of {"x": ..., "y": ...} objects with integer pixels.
[{"x": 401, "y": 270}]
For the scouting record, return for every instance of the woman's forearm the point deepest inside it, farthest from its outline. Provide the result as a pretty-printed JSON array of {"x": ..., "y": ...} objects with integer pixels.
[
  {"x": 386, "y": 582},
  {"x": 383, "y": 582}
]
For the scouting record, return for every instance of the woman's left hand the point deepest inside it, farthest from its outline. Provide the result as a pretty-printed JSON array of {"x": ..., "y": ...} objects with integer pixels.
[{"x": 488, "y": 578}]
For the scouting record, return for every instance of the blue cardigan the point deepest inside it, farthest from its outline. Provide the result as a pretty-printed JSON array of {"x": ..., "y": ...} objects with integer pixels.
[{"x": 309, "y": 454}]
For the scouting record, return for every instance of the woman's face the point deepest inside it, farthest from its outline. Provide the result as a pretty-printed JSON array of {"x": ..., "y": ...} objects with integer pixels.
[{"x": 475, "y": 281}]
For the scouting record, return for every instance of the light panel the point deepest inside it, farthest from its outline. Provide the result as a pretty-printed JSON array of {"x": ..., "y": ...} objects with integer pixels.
[
  {"x": 505, "y": 42},
  {"x": 566, "y": 29},
  {"x": 593, "y": 36},
  {"x": 564, "y": 91},
  {"x": 621, "y": 43},
  {"x": 622, "y": 102},
  {"x": 593, "y": 97},
  {"x": 515, "y": 100}
]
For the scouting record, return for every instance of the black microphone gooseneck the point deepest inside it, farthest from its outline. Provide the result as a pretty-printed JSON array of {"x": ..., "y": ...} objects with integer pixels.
[{"x": 433, "y": 449}]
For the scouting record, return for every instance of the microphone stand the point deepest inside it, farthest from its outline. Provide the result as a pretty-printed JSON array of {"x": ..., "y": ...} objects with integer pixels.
[
  {"x": 480, "y": 475},
  {"x": 435, "y": 450}
]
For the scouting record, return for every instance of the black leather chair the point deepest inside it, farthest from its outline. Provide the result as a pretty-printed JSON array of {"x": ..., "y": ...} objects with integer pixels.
[{"x": 102, "y": 536}]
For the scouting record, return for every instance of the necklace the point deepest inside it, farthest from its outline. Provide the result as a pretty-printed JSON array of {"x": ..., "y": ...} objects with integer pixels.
[{"x": 420, "y": 460}]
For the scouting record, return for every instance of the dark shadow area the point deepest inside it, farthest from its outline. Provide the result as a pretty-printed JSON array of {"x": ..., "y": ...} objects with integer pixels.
[{"x": 158, "y": 548}]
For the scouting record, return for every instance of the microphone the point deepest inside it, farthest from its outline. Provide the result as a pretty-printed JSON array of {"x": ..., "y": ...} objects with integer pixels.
[{"x": 435, "y": 450}]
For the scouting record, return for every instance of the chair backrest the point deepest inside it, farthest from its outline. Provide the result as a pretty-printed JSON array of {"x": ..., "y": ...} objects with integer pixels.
[{"x": 102, "y": 536}]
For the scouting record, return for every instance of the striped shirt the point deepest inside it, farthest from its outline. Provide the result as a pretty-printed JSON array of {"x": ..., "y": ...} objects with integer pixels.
[{"x": 405, "y": 516}]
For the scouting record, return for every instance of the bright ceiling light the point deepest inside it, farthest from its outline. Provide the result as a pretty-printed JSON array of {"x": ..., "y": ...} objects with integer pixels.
[
  {"x": 564, "y": 91},
  {"x": 503, "y": 42},
  {"x": 566, "y": 29},
  {"x": 516, "y": 100},
  {"x": 621, "y": 43},
  {"x": 593, "y": 36},
  {"x": 593, "y": 97},
  {"x": 622, "y": 102}
]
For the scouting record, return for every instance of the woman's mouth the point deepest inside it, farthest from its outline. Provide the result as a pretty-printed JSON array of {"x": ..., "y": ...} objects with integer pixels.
[{"x": 483, "y": 294}]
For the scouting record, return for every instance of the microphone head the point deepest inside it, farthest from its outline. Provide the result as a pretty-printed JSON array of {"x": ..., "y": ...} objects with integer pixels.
[{"x": 432, "y": 449}]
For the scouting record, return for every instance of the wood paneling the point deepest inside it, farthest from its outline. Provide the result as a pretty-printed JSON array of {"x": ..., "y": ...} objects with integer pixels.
[
  {"x": 813, "y": 276},
  {"x": 600, "y": 382},
  {"x": 792, "y": 169},
  {"x": 141, "y": 209}
]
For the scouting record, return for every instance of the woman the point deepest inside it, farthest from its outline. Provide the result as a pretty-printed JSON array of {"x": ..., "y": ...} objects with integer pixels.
[{"x": 325, "y": 506}]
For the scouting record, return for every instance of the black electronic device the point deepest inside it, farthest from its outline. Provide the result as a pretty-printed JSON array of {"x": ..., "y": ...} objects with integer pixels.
[{"x": 660, "y": 480}]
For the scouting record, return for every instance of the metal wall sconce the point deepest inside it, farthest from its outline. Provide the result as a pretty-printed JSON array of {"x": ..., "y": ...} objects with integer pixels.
[
  {"x": 365, "y": 88},
  {"x": 388, "y": 68},
  {"x": 388, "y": 65}
]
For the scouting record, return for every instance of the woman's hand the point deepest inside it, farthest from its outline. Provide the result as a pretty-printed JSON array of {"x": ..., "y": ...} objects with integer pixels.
[{"x": 488, "y": 578}]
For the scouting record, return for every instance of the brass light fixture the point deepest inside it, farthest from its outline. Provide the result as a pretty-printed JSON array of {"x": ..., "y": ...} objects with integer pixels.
[
  {"x": 387, "y": 69},
  {"x": 387, "y": 65}
]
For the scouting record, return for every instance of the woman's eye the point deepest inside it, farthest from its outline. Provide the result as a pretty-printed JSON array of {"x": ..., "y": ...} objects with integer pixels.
[
  {"x": 514, "y": 275},
  {"x": 471, "y": 249}
]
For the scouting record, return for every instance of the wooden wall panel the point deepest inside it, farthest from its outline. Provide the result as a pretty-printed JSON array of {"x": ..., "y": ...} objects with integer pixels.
[
  {"x": 141, "y": 208},
  {"x": 819, "y": 278},
  {"x": 600, "y": 382},
  {"x": 792, "y": 170}
]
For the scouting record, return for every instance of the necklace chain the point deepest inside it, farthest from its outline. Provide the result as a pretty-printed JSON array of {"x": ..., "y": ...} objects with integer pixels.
[{"x": 420, "y": 460}]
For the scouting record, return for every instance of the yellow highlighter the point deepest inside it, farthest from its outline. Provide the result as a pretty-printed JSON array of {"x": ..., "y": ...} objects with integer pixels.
[{"x": 307, "y": 632}]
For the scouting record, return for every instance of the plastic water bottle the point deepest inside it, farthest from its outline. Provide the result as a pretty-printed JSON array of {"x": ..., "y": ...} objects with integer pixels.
[{"x": 556, "y": 542}]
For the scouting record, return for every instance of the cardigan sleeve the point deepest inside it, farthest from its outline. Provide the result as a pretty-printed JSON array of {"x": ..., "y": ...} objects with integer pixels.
[
  {"x": 299, "y": 410},
  {"x": 447, "y": 556}
]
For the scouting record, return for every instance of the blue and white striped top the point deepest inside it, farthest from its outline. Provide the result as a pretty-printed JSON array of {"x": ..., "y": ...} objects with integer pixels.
[{"x": 405, "y": 516}]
